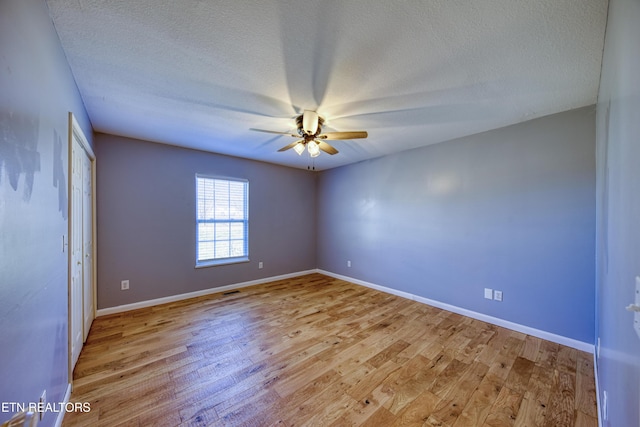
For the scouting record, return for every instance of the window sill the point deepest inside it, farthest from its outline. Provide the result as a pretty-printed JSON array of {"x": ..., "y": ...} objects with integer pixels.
[{"x": 217, "y": 262}]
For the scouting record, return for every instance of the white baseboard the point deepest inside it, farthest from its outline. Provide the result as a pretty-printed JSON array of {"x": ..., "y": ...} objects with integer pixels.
[
  {"x": 65, "y": 400},
  {"x": 598, "y": 403},
  {"x": 569, "y": 342},
  {"x": 180, "y": 297}
]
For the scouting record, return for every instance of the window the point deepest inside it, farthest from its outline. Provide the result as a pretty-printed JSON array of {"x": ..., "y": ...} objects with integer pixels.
[{"x": 222, "y": 221}]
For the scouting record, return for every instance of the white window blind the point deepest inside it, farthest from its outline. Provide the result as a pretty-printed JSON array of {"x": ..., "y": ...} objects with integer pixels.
[{"x": 222, "y": 220}]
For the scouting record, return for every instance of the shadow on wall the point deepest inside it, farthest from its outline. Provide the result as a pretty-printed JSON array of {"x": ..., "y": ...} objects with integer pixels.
[
  {"x": 59, "y": 181},
  {"x": 19, "y": 156},
  {"x": 18, "y": 150}
]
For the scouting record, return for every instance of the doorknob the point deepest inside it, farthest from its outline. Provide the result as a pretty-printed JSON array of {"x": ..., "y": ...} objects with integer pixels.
[{"x": 633, "y": 307}]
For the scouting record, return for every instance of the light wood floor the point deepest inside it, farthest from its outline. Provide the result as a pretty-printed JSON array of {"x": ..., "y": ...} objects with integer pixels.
[{"x": 319, "y": 351}]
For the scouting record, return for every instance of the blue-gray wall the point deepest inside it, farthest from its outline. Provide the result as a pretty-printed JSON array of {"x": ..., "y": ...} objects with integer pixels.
[
  {"x": 618, "y": 224},
  {"x": 146, "y": 220},
  {"x": 36, "y": 93},
  {"x": 511, "y": 209}
]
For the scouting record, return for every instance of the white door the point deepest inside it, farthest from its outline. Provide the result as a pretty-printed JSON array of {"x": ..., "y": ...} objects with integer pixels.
[
  {"x": 87, "y": 245},
  {"x": 76, "y": 241},
  {"x": 81, "y": 254}
]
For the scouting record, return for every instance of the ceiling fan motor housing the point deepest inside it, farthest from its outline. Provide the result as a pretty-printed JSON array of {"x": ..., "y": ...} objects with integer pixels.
[{"x": 309, "y": 123}]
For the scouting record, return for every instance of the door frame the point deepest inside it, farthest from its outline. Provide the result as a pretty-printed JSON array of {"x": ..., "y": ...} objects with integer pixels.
[{"x": 76, "y": 130}]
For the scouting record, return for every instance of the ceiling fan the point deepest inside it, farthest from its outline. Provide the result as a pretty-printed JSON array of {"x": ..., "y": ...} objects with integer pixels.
[{"x": 309, "y": 125}]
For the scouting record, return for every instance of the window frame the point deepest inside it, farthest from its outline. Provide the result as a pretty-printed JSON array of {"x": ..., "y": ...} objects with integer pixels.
[{"x": 210, "y": 262}]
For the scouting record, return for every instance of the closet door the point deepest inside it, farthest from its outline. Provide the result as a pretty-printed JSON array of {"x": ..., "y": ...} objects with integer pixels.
[
  {"x": 76, "y": 252},
  {"x": 87, "y": 245},
  {"x": 81, "y": 241}
]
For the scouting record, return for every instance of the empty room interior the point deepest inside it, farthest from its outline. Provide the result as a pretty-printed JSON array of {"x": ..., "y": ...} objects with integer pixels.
[{"x": 320, "y": 213}]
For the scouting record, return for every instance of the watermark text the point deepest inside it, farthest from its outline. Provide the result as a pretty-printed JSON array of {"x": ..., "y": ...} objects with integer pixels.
[{"x": 15, "y": 407}]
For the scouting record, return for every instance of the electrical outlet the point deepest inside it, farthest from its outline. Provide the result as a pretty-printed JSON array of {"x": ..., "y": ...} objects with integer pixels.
[
  {"x": 43, "y": 403},
  {"x": 124, "y": 285},
  {"x": 488, "y": 293},
  {"x": 348, "y": 263},
  {"x": 497, "y": 295},
  {"x": 260, "y": 265}
]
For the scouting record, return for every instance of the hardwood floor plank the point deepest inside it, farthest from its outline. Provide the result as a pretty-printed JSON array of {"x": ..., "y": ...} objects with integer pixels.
[
  {"x": 411, "y": 380},
  {"x": 479, "y": 404},
  {"x": 531, "y": 348},
  {"x": 518, "y": 378},
  {"x": 370, "y": 381},
  {"x": 534, "y": 406},
  {"x": 365, "y": 407},
  {"x": 505, "y": 409},
  {"x": 382, "y": 417},
  {"x": 584, "y": 420},
  {"x": 562, "y": 404},
  {"x": 291, "y": 403},
  {"x": 476, "y": 346},
  {"x": 585, "y": 386},
  {"x": 454, "y": 402},
  {"x": 315, "y": 350},
  {"x": 418, "y": 411},
  {"x": 388, "y": 353},
  {"x": 449, "y": 377},
  {"x": 321, "y": 409}
]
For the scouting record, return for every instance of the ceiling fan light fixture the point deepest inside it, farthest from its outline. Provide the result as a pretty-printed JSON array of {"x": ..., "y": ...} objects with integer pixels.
[
  {"x": 310, "y": 121},
  {"x": 299, "y": 148},
  {"x": 313, "y": 148}
]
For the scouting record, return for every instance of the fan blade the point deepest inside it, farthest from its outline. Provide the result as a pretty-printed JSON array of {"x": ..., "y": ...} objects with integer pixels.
[
  {"x": 343, "y": 135},
  {"x": 293, "y": 144},
  {"x": 310, "y": 122},
  {"x": 275, "y": 131},
  {"x": 327, "y": 148}
]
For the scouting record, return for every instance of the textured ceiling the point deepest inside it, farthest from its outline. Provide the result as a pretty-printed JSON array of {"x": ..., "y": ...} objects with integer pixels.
[{"x": 201, "y": 73}]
